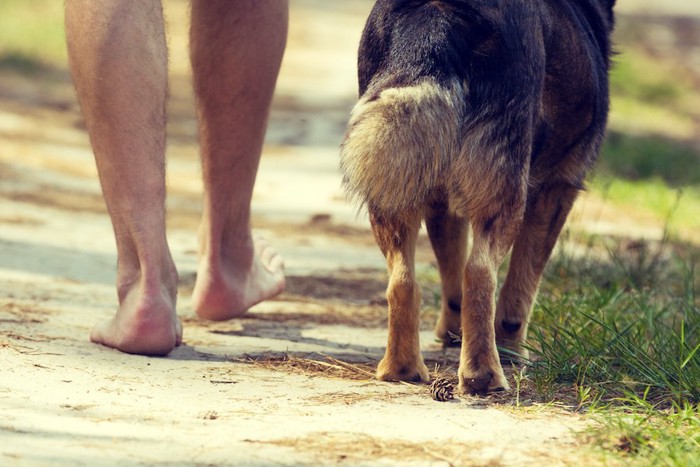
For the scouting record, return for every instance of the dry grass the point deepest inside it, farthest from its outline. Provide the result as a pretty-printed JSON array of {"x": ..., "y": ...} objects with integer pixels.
[
  {"x": 314, "y": 365},
  {"x": 21, "y": 312},
  {"x": 308, "y": 311},
  {"x": 524, "y": 395}
]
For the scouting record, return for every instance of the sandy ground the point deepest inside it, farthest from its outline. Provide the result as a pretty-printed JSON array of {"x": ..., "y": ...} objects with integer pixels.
[{"x": 242, "y": 392}]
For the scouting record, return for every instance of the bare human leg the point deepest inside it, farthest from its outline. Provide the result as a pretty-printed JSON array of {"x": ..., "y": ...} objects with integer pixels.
[
  {"x": 118, "y": 59},
  {"x": 236, "y": 50}
]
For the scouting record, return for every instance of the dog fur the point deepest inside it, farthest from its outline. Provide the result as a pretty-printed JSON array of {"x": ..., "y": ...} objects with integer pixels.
[{"x": 478, "y": 116}]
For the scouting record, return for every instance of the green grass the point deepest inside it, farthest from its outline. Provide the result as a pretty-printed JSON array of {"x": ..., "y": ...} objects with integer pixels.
[
  {"x": 643, "y": 78},
  {"x": 652, "y": 96},
  {"x": 31, "y": 35},
  {"x": 650, "y": 162},
  {"x": 646, "y": 435},
  {"x": 615, "y": 334},
  {"x": 636, "y": 158},
  {"x": 675, "y": 208},
  {"x": 623, "y": 316}
]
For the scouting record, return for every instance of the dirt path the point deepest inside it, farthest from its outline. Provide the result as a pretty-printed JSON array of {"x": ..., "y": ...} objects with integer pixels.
[{"x": 286, "y": 385}]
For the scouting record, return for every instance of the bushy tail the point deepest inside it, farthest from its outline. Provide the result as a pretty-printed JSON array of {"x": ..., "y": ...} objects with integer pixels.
[{"x": 399, "y": 145}]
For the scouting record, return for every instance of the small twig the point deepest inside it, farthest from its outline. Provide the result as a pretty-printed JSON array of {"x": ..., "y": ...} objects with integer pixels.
[
  {"x": 438, "y": 456},
  {"x": 347, "y": 366},
  {"x": 358, "y": 369},
  {"x": 328, "y": 365}
]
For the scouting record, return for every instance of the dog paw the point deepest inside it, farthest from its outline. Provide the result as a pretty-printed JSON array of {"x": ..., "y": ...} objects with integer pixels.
[
  {"x": 414, "y": 372},
  {"x": 482, "y": 382}
]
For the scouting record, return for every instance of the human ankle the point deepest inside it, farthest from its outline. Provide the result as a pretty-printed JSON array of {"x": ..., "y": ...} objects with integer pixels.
[
  {"x": 231, "y": 245},
  {"x": 147, "y": 280}
]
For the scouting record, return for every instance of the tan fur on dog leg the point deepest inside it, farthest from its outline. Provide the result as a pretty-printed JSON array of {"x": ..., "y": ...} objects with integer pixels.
[
  {"x": 544, "y": 219},
  {"x": 403, "y": 360},
  {"x": 448, "y": 237}
]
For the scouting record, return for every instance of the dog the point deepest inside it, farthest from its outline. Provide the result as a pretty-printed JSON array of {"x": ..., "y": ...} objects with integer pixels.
[{"x": 481, "y": 118}]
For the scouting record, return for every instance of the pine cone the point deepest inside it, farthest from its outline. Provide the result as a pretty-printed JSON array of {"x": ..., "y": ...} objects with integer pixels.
[{"x": 442, "y": 390}]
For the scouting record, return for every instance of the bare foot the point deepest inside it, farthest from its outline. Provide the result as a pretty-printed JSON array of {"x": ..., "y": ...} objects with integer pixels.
[
  {"x": 145, "y": 323},
  {"x": 228, "y": 289}
]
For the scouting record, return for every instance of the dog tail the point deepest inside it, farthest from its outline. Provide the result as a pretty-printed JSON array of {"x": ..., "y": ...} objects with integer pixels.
[{"x": 399, "y": 144}]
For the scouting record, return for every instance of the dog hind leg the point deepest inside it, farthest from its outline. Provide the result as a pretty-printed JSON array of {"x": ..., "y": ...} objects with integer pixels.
[
  {"x": 480, "y": 369},
  {"x": 449, "y": 237},
  {"x": 496, "y": 221},
  {"x": 544, "y": 218},
  {"x": 397, "y": 240}
]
